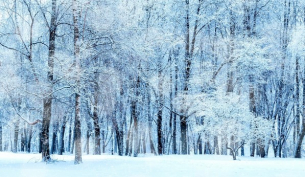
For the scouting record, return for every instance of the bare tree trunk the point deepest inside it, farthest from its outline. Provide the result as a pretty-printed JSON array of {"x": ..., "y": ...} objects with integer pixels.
[
  {"x": 183, "y": 118},
  {"x": 160, "y": 109},
  {"x": 152, "y": 147},
  {"x": 28, "y": 145},
  {"x": 175, "y": 116},
  {"x": 22, "y": 143},
  {"x": 216, "y": 146},
  {"x": 77, "y": 123},
  {"x": 134, "y": 116},
  {"x": 298, "y": 150},
  {"x": 47, "y": 101},
  {"x": 70, "y": 136},
  {"x": 118, "y": 133},
  {"x": 16, "y": 133},
  {"x": 199, "y": 144},
  {"x": 97, "y": 139},
  {"x": 61, "y": 147},
  {"x": 88, "y": 141},
  {"x": 129, "y": 138}
]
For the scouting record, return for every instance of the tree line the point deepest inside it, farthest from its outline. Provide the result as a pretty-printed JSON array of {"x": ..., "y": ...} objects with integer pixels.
[{"x": 163, "y": 77}]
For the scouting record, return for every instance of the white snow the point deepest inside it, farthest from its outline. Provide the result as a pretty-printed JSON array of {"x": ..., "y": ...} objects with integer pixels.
[{"x": 30, "y": 165}]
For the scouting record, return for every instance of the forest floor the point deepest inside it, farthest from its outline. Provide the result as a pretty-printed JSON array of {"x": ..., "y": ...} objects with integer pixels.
[{"x": 30, "y": 165}]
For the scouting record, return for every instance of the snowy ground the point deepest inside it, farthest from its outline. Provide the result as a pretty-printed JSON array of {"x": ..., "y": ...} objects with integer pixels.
[{"x": 29, "y": 165}]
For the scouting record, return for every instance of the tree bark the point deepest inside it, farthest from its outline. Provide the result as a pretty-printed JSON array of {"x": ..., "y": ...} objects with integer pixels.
[
  {"x": 16, "y": 133},
  {"x": 61, "y": 147},
  {"x": 134, "y": 116},
  {"x": 47, "y": 101},
  {"x": 77, "y": 123}
]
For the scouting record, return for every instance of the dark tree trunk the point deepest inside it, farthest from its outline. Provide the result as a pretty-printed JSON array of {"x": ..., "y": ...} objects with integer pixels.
[
  {"x": 47, "y": 101},
  {"x": 61, "y": 147},
  {"x": 45, "y": 129},
  {"x": 103, "y": 141},
  {"x": 70, "y": 136},
  {"x": 242, "y": 150},
  {"x": 199, "y": 144},
  {"x": 120, "y": 141},
  {"x": 28, "y": 145},
  {"x": 183, "y": 118},
  {"x": 53, "y": 146},
  {"x": 77, "y": 135},
  {"x": 22, "y": 144},
  {"x": 54, "y": 138},
  {"x": 252, "y": 149},
  {"x": 174, "y": 134},
  {"x": 298, "y": 150},
  {"x": 88, "y": 141},
  {"x": 159, "y": 128},
  {"x": 73, "y": 141},
  {"x": 119, "y": 134},
  {"x": 183, "y": 126},
  {"x": 97, "y": 139}
]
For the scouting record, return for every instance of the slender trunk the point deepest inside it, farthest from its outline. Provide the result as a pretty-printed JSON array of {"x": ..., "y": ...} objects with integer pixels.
[
  {"x": 118, "y": 134},
  {"x": 129, "y": 136},
  {"x": 97, "y": 139},
  {"x": 175, "y": 116},
  {"x": 16, "y": 133},
  {"x": 252, "y": 149},
  {"x": 298, "y": 150},
  {"x": 77, "y": 123},
  {"x": 70, "y": 136},
  {"x": 134, "y": 115},
  {"x": 54, "y": 137},
  {"x": 40, "y": 142},
  {"x": 61, "y": 147},
  {"x": 297, "y": 100},
  {"x": 199, "y": 144},
  {"x": 28, "y": 145},
  {"x": 47, "y": 101},
  {"x": 151, "y": 143},
  {"x": 160, "y": 109},
  {"x": 183, "y": 118},
  {"x": 22, "y": 141},
  {"x": 183, "y": 126},
  {"x": 88, "y": 141},
  {"x": 216, "y": 146}
]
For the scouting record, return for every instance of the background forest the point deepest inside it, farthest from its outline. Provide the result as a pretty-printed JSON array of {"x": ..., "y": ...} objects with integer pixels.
[{"x": 132, "y": 77}]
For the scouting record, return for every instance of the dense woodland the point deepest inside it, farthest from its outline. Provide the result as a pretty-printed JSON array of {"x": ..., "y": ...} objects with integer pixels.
[{"x": 133, "y": 77}]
